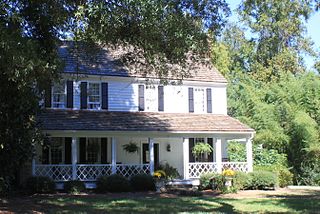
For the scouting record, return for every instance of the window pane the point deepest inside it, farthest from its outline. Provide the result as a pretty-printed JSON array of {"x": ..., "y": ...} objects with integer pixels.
[
  {"x": 93, "y": 150},
  {"x": 56, "y": 150},
  {"x": 58, "y": 95}
]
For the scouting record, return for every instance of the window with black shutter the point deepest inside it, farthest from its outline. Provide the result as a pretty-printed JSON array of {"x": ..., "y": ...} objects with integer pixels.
[
  {"x": 160, "y": 98},
  {"x": 83, "y": 95},
  {"x": 209, "y": 100},
  {"x": 69, "y": 94},
  {"x": 104, "y": 94},
  {"x": 191, "y": 100},
  {"x": 141, "y": 97}
]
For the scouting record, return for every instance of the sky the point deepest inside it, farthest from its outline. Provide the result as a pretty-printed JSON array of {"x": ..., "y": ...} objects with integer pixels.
[{"x": 313, "y": 28}]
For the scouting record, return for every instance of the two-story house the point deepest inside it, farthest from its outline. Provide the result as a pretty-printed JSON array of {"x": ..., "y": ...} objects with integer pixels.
[{"x": 100, "y": 106}]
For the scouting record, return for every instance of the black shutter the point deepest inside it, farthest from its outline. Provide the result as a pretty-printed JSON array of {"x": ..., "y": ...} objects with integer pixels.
[
  {"x": 83, "y": 150},
  {"x": 145, "y": 148},
  {"x": 45, "y": 151},
  {"x": 141, "y": 97},
  {"x": 83, "y": 95},
  {"x": 104, "y": 150},
  {"x": 104, "y": 93},
  {"x": 210, "y": 156},
  {"x": 47, "y": 96},
  {"x": 45, "y": 155},
  {"x": 191, "y": 102},
  {"x": 160, "y": 98},
  {"x": 69, "y": 94},
  {"x": 191, "y": 145},
  {"x": 67, "y": 150},
  {"x": 209, "y": 100}
]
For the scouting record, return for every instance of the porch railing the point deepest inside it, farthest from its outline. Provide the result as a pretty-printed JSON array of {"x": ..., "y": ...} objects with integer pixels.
[
  {"x": 197, "y": 169},
  {"x": 88, "y": 172},
  {"x": 57, "y": 172},
  {"x": 235, "y": 166}
]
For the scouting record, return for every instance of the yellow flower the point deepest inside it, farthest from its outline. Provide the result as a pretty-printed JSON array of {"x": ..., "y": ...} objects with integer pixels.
[
  {"x": 159, "y": 174},
  {"x": 228, "y": 172}
]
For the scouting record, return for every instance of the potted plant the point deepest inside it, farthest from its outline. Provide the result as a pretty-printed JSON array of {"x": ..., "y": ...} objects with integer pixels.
[
  {"x": 160, "y": 177},
  {"x": 130, "y": 147},
  {"x": 200, "y": 149}
]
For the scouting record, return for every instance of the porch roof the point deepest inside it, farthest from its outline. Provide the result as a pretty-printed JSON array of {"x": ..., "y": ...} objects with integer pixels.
[{"x": 88, "y": 120}]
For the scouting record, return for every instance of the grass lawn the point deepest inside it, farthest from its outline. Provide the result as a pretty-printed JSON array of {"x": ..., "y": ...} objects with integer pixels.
[{"x": 151, "y": 203}]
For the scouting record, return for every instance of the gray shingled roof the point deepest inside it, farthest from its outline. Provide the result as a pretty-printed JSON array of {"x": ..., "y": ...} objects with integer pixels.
[
  {"x": 109, "y": 62},
  {"x": 53, "y": 119}
]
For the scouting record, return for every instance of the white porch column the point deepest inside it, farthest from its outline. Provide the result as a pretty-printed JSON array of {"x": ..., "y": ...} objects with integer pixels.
[
  {"x": 249, "y": 154},
  {"x": 114, "y": 155},
  {"x": 218, "y": 155},
  {"x": 74, "y": 153},
  {"x": 33, "y": 166},
  {"x": 151, "y": 154},
  {"x": 185, "y": 158}
]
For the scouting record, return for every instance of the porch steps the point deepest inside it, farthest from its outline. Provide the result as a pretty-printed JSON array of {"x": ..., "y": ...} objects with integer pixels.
[{"x": 183, "y": 187}]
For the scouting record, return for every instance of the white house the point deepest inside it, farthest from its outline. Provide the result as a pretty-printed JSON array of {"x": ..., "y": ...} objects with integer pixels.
[{"x": 101, "y": 105}]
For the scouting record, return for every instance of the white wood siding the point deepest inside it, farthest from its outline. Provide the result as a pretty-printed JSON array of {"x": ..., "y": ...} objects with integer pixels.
[{"x": 123, "y": 96}]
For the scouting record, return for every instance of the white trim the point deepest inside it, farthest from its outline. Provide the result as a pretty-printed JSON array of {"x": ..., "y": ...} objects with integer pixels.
[
  {"x": 185, "y": 147},
  {"x": 151, "y": 154},
  {"x": 218, "y": 151},
  {"x": 114, "y": 155},
  {"x": 100, "y": 96}
]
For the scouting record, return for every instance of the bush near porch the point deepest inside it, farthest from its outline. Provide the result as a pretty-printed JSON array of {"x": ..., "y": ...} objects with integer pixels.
[{"x": 257, "y": 180}]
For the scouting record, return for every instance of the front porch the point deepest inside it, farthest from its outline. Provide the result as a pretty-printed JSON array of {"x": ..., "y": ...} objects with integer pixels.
[{"x": 76, "y": 162}]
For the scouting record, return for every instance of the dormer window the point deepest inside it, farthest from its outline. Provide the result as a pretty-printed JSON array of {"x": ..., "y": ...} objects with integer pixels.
[
  {"x": 59, "y": 95},
  {"x": 94, "y": 96}
]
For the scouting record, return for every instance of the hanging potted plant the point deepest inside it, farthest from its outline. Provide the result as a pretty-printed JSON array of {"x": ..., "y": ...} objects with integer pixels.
[
  {"x": 200, "y": 149},
  {"x": 130, "y": 147}
]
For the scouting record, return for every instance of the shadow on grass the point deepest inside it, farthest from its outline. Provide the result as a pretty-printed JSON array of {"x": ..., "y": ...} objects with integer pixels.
[
  {"x": 152, "y": 203},
  {"x": 105, "y": 204}
]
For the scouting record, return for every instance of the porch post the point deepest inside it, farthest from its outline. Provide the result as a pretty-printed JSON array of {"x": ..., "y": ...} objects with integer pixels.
[
  {"x": 185, "y": 158},
  {"x": 114, "y": 155},
  {"x": 218, "y": 155},
  {"x": 249, "y": 154},
  {"x": 151, "y": 153},
  {"x": 33, "y": 166},
  {"x": 74, "y": 152}
]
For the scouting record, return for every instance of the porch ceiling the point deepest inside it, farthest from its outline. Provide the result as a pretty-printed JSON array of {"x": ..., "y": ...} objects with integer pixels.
[{"x": 86, "y": 120}]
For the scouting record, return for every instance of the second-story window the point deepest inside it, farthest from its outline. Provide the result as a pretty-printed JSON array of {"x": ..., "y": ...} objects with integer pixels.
[
  {"x": 59, "y": 95},
  {"x": 94, "y": 97}
]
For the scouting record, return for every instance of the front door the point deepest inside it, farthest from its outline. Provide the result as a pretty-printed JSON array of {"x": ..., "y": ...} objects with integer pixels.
[{"x": 146, "y": 154}]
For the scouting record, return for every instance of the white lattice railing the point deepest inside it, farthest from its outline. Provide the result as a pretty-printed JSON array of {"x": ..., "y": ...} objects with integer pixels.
[
  {"x": 199, "y": 168},
  {"x": 235, "y": 166},
  {"x": 90, "y": 172},
  {"x": 129, "y": 170},
  {"x": 56, "y": 172}
]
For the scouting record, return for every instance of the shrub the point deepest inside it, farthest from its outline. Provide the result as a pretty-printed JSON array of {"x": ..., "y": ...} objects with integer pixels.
[
  {"x": 285, "y": 177},
  {"x": 170, "y": 171},
  {"x": 206, "y": 180},
  {"x": 263, "y": 180},
  {"x": 218, "y": 182},
  {"x": 142, "y": 182},
  {"x": 113, "y": 183},
  {"x": 4, "y": 186},
  {"x": 241, "y": 181},
  {"x": 40, "y": 184},
  {"x": 74, "y": 187}
]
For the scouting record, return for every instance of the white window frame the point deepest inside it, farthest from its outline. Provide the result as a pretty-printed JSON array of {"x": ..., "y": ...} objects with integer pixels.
[
  {"x": 63, "y": 103},
  {"x": 100, "y": 97},
  {"x": 199, "y": 102}
]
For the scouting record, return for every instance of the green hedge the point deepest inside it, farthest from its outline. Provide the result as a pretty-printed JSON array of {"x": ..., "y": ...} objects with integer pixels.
[
  {"x": 262, "y": 180},
  {"x": 142, "y": 182},
  {"x": 113, "y": 183},
  {"x": 206, "y": 180},
  {"x": 40, "y": 184}
]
